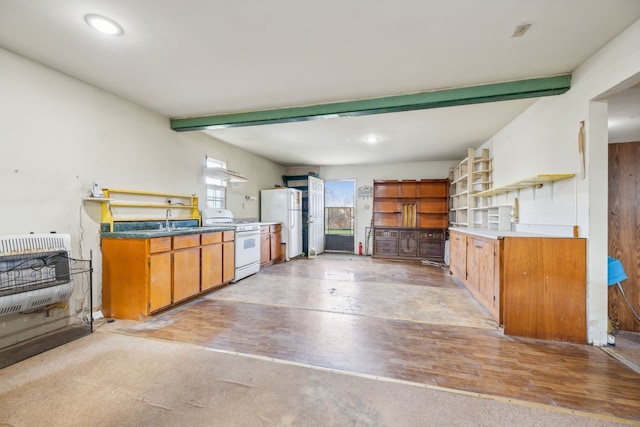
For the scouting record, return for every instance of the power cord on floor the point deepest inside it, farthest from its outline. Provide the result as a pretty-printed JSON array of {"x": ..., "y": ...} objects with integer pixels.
[
  {"x": 433, "y": 263},
  {"x": 628, "y": 303}
]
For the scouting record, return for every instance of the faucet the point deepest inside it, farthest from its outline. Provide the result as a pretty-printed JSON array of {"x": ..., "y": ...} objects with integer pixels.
[{"x": 166, "y": 220}]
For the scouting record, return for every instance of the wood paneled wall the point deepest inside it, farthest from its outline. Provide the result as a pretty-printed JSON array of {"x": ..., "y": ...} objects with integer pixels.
[{"x": 624, "y": 230}]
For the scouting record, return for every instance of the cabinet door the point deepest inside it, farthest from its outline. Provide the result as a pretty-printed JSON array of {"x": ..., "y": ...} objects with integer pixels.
[
  {"x": 474, "y": 261},
  {"x": 228, "y": 261},
  {"x": 159, "y": 281},
  {"x": 276, "y": 242},
  {"x": 265, "y": 248},
  {"x": 186, "y": 273},
  {"x": 407, "y": 243},
  {"x": 487, "y": 275},
  {"x": 385, "y": 242},
  {"x": 483, "y": 279},
  {"x": 210, "y": 266},
  {"x": 545, "y": 288},
  {"x": 458, "y": 255}
]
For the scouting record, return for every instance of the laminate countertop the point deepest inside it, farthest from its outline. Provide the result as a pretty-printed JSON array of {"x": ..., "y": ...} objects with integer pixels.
[
  {"x": 500, "y": 234},
  {"x": 148, "y": 234}
]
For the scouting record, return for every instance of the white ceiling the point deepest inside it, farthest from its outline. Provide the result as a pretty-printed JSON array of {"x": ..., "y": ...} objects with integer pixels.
[{"x": 204, "y": 57}]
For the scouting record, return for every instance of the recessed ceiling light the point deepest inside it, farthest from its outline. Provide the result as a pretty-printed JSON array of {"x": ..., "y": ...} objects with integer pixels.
[
  {"x": 372, "y": 139},
  {"x": 104, "y": 25}
]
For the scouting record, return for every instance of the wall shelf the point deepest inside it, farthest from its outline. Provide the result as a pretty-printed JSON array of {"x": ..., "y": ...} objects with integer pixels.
[
  {"x": 534, "y": 181},
  {"x": 132, "y": 205}
]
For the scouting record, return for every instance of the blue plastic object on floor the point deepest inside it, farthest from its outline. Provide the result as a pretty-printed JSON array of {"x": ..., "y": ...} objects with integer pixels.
[{"x": 615, "y": 271}]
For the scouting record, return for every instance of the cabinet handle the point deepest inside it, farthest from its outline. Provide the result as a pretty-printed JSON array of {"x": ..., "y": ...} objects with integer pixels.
[{"x": 479, "y": 246}]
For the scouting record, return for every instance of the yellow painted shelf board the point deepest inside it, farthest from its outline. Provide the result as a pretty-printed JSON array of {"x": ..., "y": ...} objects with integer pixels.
[
  {"x": 133, "y": 204},
  {"x": 147, "y": 193},
  {"x": 525, "y": 183}
]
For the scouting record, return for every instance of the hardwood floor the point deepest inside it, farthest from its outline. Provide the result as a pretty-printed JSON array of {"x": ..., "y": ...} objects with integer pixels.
[{"x": 307, "y": 329}]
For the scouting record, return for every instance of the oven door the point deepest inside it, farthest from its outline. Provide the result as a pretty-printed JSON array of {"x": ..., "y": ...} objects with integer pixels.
[{"x": 247, "y": 253}]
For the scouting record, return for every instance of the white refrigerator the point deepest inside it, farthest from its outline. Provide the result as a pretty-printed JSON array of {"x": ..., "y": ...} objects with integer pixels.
[{"x": 284, "y": 205}]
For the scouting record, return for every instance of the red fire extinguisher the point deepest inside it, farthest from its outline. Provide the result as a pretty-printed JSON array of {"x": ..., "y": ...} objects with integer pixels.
[{"x": 360, "y": 248}]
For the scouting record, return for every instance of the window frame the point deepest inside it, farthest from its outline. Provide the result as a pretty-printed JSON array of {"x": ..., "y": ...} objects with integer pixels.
[{"x": 213, "y": 198}]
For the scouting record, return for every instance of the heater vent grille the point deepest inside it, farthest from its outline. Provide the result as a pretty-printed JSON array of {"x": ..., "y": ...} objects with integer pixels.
[{"x": 35, "y": 271}]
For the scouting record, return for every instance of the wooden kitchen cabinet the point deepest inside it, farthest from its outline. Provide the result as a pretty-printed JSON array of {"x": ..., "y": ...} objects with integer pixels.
[
  {"x": 483, "y": 267},
  {"x": 228, "y": 256},
  {"x": 411, "y": 203},
  {"x": 385, "y": 242},
  {"x": 408, "y": 243},
  {"x": 533, "y": 286},
  {"x": 143, "y": 276},
  {"x": 270, "y": 243},
  {"x": 431, "y": 243},
  {"x": 211, "y": 266},
  {"x": 458, "y": 254},
  {"x": 545, "y": 288},
  {"x": 159, "y": 282},
  {"x": 217, "y": 259},
  {"x": 186, "y": 266}
]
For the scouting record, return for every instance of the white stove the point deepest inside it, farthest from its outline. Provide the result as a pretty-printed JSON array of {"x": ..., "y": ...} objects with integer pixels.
[{"x": 247, "y": 241}]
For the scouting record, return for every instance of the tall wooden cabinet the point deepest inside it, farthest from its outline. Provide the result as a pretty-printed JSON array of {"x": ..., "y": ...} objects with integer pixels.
[{"x": 410, "y": 218}]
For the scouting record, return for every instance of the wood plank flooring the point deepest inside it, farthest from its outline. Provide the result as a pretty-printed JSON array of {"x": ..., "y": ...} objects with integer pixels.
[{"x": 471, "y": 359}]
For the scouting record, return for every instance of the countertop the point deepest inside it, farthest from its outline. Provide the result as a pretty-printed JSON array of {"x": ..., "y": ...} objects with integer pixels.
[
  {"x": 499, "y": 234},
  {"x": 148, "y": 234}
]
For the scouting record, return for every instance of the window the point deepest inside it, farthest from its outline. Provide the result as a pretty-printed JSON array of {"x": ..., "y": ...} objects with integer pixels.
[{"x": 216, "y": 188}]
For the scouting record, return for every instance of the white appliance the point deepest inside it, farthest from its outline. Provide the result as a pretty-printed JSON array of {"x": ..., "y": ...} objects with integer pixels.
[
  {"x": 247, "y": 240},
  {"x": 35, "y": 271},
  {"x": 284, "y": 205}
]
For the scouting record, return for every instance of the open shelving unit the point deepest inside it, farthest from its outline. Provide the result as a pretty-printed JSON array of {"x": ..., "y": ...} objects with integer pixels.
[
  {"x": 470, "y": 177},
  {"x": 133, "y": 205}
]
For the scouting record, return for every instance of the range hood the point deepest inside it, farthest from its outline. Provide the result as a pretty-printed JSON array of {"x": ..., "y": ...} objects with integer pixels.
[{"x": 223, "y": 174}]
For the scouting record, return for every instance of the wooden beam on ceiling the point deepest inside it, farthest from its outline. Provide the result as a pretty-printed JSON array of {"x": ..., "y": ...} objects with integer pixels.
[{"x": 520, "y": 89}]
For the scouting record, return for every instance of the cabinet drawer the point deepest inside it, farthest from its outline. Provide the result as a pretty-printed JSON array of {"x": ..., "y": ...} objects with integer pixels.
[
  {"x": 386, "y": 247},
  {"x": 187, "y": 241},
  {"x": 229, "y": 236},
  {"x": 275, "y": 228},
  {"x": 160, "y": 244},
  {"x": 264, "y": 229},
  {"x": 387, "y": 234},
  {"x": 431, "y": 249},
  {"x": 211, "y": 238},
  {"x": 432, "y": 235}
]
